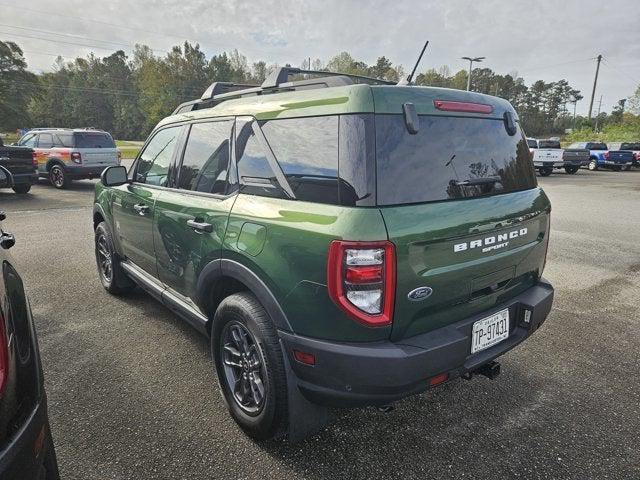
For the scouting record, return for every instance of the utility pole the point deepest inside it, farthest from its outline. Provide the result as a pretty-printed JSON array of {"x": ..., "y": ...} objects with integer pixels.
[
  {"x": 595, "y": 82},
  {"x": 598, "y": 117},
  {"x": 471, "y": 60}
]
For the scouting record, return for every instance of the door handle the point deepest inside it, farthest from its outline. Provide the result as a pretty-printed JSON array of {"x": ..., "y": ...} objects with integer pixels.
[
  {"x": 141, "y": 208},
  {"x": 200, "y": 226},
  {"x": 7, "y": 240}
]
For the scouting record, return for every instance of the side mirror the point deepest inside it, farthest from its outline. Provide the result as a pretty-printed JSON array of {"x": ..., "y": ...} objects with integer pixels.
[
  {"x": 114, "y": 176},
  {"x": 411, "y": 120},
  {"x": 6, "y": 179}
]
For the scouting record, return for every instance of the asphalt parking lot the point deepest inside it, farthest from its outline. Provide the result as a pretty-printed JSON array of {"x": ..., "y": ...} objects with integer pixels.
[{"x": 132, "y": 393}]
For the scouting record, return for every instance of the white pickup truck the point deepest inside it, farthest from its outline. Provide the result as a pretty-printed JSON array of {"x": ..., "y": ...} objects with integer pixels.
[{"x": 548, "y": 154}]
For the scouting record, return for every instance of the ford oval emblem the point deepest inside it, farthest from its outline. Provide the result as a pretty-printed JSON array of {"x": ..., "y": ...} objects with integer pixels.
[{"x": 419, "y": 294}]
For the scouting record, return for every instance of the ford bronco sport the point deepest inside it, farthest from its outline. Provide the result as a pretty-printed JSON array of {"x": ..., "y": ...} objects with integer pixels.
[
  {"x": 64, "y": 154},
  {"x": 342, "y": 241}
]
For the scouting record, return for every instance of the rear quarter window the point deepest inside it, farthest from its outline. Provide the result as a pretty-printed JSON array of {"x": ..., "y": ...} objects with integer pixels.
[
  {"x": 307, "y": 152},
  {"x": 93, "y": 140},
  {"x": 449, "y": 158}
]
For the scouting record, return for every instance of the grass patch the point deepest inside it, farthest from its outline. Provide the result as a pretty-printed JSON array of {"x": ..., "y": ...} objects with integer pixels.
[{"x": 128, "y": 149}]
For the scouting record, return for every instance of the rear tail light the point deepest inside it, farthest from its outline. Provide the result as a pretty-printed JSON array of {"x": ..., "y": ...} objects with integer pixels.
[
  {"x": 34, "y": 160},
  {"x": 361, "y": 279},
  {"x": 448, "y": 106},
  {"x": 76, "y": 157},
  {"x": 606, "y": 155},
  {"x": 4, "y": 355}
]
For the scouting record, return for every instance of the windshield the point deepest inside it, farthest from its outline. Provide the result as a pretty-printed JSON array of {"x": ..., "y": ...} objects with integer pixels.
[
  {"x": 449, "y": 158},
  {"x": 549, "y": 144},
  {"x": 94, "y": 140}
]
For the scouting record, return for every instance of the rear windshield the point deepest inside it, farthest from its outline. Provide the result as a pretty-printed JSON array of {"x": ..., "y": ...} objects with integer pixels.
[
  {"x": 596, "y": 146},
  {"x": 94, "y": 140},
  {"x": 630, "y": 146},
  {"x": 549, "y": 144},
  {"x": 449, "y": 158}
]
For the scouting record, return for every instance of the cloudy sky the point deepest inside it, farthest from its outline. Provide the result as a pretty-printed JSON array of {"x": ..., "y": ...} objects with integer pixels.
[{"x": 546, "y": 40}]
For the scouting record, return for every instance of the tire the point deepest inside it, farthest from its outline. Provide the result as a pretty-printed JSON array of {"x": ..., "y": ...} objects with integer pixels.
[
  {"x": 546, "y": 171},
  {"x": 593, "y": 165},
  {"x": 616, "y": 168},
  {"x": 22, "y": 188},
  {"x": 241, "y": 324},
  {"x": 627, "y": 168},
  {"x": 112, "y": 276},
  {"x": 58, "y": 177}
]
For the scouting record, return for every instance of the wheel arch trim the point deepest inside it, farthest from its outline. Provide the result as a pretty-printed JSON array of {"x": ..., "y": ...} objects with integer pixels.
[{"x": 215, "y": 270}]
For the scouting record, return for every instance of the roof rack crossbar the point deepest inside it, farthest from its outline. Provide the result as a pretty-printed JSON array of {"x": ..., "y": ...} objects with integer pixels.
[
  {"x": 217, "y": 88},
  {"x": 281, "y": 75}
]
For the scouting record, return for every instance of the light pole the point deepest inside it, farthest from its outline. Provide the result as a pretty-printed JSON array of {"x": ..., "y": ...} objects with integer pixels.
[{"x": 471, "y": 60}]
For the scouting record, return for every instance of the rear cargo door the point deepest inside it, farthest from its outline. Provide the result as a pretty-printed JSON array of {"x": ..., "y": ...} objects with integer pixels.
[
  {"x": 96, "y": 148},
  {"x": 460, "y": 203}
]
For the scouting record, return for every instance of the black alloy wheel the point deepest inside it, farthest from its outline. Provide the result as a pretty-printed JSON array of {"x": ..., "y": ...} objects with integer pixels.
[{"x": 243, "y": 368}]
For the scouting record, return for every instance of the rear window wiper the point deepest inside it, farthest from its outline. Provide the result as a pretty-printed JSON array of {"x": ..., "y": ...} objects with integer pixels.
[{"x": 477, "y": 181}]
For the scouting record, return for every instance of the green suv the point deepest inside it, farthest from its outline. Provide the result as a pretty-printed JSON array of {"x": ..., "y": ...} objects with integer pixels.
[{"x": 342, "y": 241}]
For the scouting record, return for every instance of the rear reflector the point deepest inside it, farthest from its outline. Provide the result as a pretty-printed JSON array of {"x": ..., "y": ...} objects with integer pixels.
[
  {"x": 438, "y": 379},
  {"x": 468, "y": 107},
  {"x": 304, "y": 357}
]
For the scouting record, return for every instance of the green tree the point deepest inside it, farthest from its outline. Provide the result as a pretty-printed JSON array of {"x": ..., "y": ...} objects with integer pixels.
[{"x": 17, "y": 87}]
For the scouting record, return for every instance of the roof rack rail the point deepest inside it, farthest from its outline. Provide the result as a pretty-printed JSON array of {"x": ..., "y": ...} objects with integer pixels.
[{"x": 278, "y": 80}]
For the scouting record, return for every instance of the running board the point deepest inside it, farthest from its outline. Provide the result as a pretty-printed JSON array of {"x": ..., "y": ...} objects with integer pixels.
[{"x": 172, "y": 300}]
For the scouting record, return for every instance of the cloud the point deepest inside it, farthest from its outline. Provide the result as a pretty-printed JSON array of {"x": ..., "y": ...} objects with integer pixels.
[{"x": 545, "y": 40}]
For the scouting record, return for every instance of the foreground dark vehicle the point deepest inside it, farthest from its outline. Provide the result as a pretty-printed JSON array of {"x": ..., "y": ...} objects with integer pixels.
[{"x": 26, "y": 445}]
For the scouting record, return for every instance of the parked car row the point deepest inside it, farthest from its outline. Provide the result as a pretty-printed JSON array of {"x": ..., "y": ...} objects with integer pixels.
[
  {"x": 548, "y": 155},
  {"x": 58, "y": 154}
]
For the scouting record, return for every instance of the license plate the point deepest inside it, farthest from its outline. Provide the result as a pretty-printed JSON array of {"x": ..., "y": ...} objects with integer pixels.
[{"x": 490, "y": 331}]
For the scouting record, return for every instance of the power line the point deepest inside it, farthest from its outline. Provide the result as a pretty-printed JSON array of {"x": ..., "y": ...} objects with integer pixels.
[
  {"x": 79, "y": 37},
  {"x": 49, "y": 13},
  {"x": 57, "y": 41},
  {"x": 619, "y": 70}
]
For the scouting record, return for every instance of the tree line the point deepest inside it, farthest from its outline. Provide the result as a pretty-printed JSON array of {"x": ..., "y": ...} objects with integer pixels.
[{"x": 128, "y": 95}]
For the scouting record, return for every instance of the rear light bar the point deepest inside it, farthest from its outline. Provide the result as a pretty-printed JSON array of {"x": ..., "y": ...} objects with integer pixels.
[
  {"x": 76, "y": 157},
  {"x": 361, "y": 279},
  {"x": 449, "y": 106},
  {"x": 4, "y": 355}
]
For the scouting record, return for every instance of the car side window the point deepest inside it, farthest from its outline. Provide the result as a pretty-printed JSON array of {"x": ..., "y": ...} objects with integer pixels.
[
  {"x": 256, "y": 177},
  {"x": 45, "y": 140},
  {"x": 155, "y": 160},
  {"x": 307, "y": 152},
  {"x": 205, "y": 162},
  {"x": 29, "y": 141}
]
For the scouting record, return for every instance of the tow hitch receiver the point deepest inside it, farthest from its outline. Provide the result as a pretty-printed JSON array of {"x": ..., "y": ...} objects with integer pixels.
[{"x": 491, "y": 370}]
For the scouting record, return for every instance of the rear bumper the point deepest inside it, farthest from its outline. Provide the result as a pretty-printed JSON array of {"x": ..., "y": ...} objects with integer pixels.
[
  {"x": 609, "y": 163},
  {"x": 21, "y": 458},
  {"x": 20, "y": 178},
  {"x": 377, "y": 373}
]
